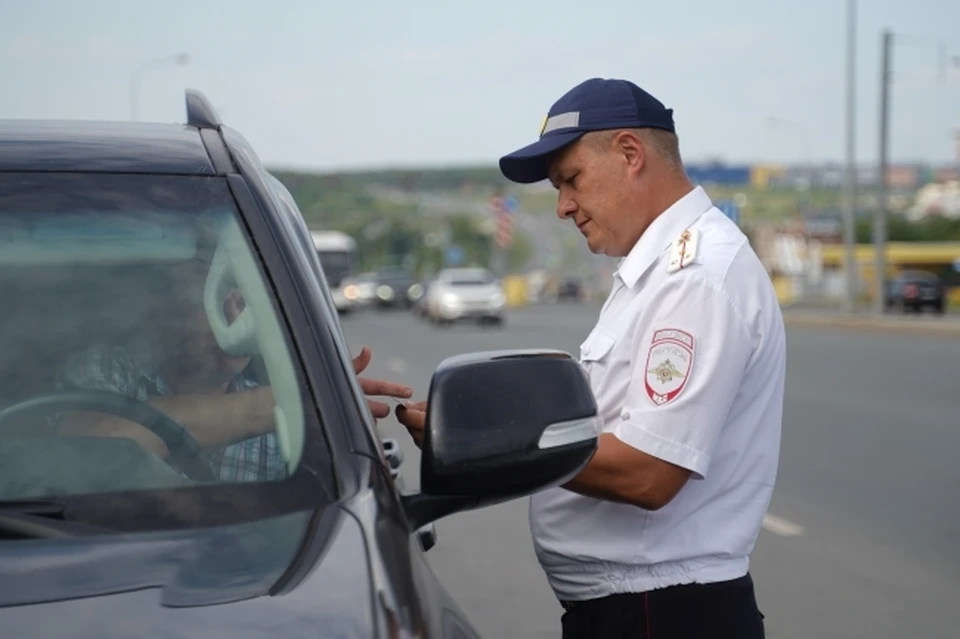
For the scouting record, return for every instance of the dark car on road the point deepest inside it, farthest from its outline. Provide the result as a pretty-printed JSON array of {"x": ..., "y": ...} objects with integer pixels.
[
  {"x": 144, "y": 529},
  {"x": 396, "y": 288},
  {"x": 571, "y": 289},
  {"x": 915, "y": 291}
]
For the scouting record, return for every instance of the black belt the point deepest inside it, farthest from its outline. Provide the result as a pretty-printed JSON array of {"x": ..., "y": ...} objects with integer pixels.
[{"x": 570, "y": 605}]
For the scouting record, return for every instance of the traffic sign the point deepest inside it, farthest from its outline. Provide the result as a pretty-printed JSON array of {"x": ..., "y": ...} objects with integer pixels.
[
  {"x": 730, "y": 209},
  {"x": 453, "y": 255}
]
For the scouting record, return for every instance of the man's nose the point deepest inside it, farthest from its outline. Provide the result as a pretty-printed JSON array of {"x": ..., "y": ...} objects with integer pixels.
[
  {"x": 566, "y": 207},
  {"x": 233, "y": 305}
]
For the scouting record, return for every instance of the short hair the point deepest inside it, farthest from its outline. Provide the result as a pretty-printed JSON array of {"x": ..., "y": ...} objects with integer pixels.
[{"x": 664, "y": 143}]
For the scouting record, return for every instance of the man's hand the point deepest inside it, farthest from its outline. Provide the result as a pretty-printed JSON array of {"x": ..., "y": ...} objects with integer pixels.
[
  {"x": 377, "y": 387},
  {"x": 413, "y": 415}
]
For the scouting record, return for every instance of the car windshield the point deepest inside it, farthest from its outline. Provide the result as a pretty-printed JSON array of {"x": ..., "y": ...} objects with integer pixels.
[
  {"x": 473, "y": 278},
  {"x": 141, "y": 346},
  {"x": 394, "y": 274},
  {"x": 334, "y": 259}
]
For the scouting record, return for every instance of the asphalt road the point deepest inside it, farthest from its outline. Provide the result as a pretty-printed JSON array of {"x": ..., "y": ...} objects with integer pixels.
[{"x": 862, "y": 537}]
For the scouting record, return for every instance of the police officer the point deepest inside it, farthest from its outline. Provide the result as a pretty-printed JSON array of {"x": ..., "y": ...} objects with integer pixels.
[{"x": 687, "y": 361}]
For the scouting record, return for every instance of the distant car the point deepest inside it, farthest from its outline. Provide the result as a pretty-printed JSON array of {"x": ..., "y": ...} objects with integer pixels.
[
  {"x": 570, "y": 288},
  {"x": 360, "y": 291},
  {"x": 915, "y": 290},
  {"x": 395, "y": 288},
  {"x": 466, "y": 294}
]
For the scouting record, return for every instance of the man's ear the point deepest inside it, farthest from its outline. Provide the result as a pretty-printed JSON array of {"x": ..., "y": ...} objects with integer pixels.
[{"x": 632, "y": 149}]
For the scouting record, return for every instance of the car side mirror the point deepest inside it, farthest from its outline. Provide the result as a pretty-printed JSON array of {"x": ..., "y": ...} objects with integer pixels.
[{"x": 501, "y": 425}]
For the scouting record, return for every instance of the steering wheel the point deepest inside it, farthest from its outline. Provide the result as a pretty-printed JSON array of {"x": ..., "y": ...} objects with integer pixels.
[{"x": 185, "y": 452}]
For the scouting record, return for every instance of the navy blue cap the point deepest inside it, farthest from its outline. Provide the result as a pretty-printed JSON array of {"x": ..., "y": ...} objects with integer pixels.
[{"x": 596, "y": 104}]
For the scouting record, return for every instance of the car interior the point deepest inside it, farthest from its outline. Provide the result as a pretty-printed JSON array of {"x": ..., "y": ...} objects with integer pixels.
[{"x": 66, "y": 285}]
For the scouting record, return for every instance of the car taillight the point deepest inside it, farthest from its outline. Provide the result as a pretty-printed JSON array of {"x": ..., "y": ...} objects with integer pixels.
[{"x": 909, "y": 290}]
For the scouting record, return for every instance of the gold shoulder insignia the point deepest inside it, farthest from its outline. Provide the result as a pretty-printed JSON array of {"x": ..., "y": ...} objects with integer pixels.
[{"x": 683, "y": 251}]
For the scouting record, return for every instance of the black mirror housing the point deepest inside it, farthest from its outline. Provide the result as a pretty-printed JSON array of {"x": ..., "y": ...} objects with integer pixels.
[{"x": 502, "y": 425}]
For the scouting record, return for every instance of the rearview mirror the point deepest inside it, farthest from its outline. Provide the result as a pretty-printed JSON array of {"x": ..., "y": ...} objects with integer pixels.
[{"x": 502, "y": 425}]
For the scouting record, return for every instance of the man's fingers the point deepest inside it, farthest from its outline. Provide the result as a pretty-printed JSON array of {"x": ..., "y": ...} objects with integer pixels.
[
  {"x": 379, "y": 409},
  {"x": 361, "y": 361},
  {"x": 384, "y": 388},
  {"x": 411, "y": 417}
]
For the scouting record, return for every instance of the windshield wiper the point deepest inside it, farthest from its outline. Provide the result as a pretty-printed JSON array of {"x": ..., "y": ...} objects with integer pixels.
[{"x": 40, "y": 520}]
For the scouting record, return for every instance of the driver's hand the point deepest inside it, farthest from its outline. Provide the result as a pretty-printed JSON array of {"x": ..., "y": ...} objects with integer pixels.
[
  {"x": 377, "y": 387},
  {"x": 413, "y": 415}
]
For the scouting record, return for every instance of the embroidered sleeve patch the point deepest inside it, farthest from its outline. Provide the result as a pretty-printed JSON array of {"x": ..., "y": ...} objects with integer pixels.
[{"x": 669, "y": 363}]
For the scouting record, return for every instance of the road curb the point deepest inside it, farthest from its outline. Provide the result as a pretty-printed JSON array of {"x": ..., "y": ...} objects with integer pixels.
[{"x": 942, "y": 328}]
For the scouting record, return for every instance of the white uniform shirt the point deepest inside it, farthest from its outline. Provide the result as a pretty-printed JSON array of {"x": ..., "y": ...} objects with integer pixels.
[{"x": 687, "y": 363}]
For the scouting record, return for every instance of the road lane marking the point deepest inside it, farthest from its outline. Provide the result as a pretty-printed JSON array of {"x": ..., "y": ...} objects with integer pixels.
[
  {"x": 782, "y": 527},
  {"x": 397, "y": 366}
]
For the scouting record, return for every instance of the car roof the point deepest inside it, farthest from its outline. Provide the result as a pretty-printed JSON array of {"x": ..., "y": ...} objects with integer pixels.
[{"x": 103, "y": 147}]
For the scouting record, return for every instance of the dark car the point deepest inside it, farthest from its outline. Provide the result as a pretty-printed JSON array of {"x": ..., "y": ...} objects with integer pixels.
[
  {"x": 916, "y": 290},
  {"x": 570, "y": 289},
  {"x": 396, "y": 288},
  {"x": 118, "y": 516}
]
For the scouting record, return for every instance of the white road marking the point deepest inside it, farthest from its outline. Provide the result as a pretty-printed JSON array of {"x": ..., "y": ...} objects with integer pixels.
[
  {"x": 782, "y": 527},
  {"x": 397, "y": 366}
]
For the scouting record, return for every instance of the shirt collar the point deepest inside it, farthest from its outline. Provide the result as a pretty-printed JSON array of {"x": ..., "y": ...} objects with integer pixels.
[{"x": 661, "y": 233}]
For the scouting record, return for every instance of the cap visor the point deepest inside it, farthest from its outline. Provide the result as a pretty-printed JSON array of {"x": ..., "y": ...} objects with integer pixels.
[{"x": 532, "y": 163}]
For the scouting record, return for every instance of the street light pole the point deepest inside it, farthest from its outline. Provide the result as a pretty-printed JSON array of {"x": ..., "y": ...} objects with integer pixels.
[
  {"x": 880, "y": 219},
  {"x": 850, "y": 181},
  {"x": 181, "y": 59}
]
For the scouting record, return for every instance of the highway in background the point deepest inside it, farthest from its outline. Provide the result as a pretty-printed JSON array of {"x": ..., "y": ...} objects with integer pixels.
[{"x": 863, "y": 535}]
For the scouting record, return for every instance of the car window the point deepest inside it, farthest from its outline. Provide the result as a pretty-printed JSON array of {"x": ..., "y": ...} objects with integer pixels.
[
  {"x": 141, "y": 344},
  {"x": 471, "y": 278}
]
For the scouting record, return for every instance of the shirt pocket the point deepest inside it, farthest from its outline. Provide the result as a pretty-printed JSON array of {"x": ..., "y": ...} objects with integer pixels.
[{"x": 597, "y": 346}]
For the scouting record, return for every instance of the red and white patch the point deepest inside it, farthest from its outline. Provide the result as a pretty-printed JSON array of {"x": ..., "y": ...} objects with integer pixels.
[{"x": 669, "y": 363}]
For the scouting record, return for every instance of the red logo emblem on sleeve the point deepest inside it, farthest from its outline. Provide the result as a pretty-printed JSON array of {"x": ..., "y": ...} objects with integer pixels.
[{"x": 669, "y": 363}]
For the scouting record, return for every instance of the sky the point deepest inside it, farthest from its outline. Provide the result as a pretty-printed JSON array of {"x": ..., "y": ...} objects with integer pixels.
[{"x": 335, "y": 85}]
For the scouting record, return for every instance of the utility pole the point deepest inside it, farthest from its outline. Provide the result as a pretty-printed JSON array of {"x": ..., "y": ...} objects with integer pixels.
[
  {"x": 880, "y": 218},
  {"x": 850, "y": 183}
]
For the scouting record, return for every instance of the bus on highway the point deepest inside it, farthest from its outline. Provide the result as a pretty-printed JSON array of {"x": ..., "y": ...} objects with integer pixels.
[{"x": 336, "y": 251}]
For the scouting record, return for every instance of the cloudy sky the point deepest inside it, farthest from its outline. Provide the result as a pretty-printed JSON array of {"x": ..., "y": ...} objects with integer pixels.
[{"x": 331, "y": 84}]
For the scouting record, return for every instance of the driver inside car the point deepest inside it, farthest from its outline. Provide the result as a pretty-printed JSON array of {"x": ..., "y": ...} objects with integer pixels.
[{"x": 177, "y": 366}]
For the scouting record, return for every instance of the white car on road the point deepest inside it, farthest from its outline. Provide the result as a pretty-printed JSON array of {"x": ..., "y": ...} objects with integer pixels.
[{"x": 465, "y": 294}]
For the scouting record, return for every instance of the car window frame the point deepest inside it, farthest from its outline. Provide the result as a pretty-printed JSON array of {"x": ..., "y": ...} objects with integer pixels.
[
  {"x": 313, "y": 320},
  {"x": 332, "y": 317}
]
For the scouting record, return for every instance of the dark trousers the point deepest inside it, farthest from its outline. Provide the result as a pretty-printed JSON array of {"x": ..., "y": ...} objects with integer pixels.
[{"x": 724, "y": 610}]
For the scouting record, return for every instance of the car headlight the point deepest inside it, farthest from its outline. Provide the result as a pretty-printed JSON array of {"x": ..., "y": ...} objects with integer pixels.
[
  {"x": 385, "y": 292},
  {"x": 450, "y": 299},
  {"x": 415, "y": 292},
  {"x": 351, "y": 292},
  {"x": 498, "y": 299}
]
